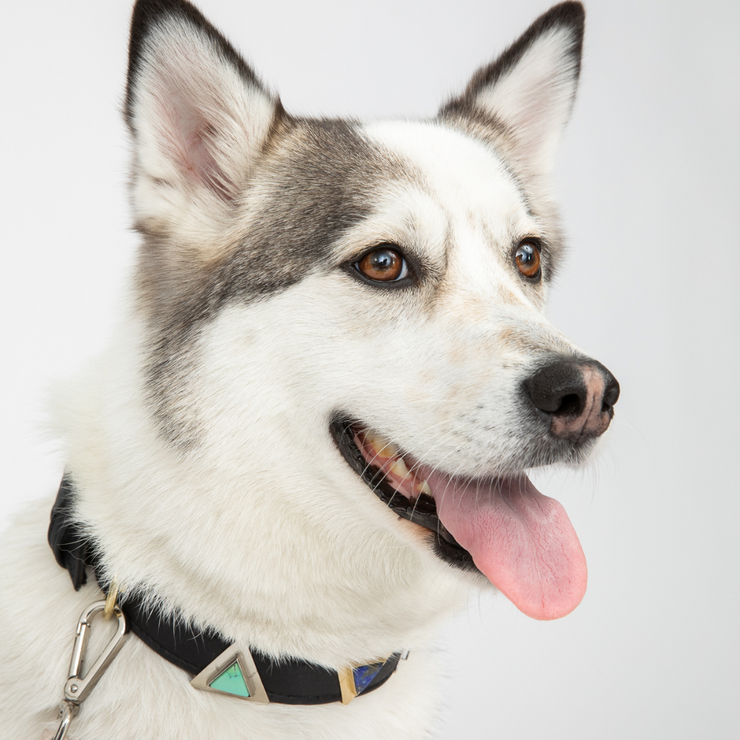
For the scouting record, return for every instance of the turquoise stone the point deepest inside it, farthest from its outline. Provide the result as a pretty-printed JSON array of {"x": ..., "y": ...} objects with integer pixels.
[
  {"x": 231, "y": 681},
  {"x": 365, "y": 674}
]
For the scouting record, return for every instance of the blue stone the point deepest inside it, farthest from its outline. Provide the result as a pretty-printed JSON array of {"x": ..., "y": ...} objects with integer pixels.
[{"x": 365, "y": 674}]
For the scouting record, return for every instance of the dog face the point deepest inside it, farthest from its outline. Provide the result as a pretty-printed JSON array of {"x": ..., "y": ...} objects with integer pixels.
[{"x": 360, "y": 306}]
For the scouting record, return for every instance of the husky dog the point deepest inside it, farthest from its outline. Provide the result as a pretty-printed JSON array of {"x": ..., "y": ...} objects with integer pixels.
[{"x": 314, "y": 424}]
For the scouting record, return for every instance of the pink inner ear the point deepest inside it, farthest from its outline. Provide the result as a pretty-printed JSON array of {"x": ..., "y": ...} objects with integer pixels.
[{"x": 185, "y": 135}]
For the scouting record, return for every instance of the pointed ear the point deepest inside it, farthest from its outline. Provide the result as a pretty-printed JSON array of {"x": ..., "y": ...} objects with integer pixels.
[
  {"x": 198, "y": 115},
  {"x": 529, "y": 90}
]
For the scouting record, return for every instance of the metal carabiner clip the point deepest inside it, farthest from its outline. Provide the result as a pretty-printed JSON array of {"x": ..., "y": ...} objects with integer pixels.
[{"x": 78, "y": 687}]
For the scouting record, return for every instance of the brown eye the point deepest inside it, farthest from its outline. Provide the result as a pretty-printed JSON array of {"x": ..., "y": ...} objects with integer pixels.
[
  {"x": 527, "y": 258},
  {"x": 383, "y": 264}
]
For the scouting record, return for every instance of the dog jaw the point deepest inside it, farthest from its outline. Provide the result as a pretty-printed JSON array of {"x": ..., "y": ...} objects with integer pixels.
[{"x": 520, "y": 540}]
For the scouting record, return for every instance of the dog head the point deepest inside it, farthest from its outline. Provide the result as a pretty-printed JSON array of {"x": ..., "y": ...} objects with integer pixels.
[{"x": 335, "y": 309}]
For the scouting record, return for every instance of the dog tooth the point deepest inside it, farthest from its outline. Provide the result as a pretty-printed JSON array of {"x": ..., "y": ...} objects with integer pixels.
[
  {"x": 423, "y": 487},
  {"x": 399, "y": 468},
  {"x": 380, "y": 445}
]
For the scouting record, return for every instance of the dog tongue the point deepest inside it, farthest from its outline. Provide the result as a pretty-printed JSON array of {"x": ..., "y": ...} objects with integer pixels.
[{"x": 522, "y": 541}]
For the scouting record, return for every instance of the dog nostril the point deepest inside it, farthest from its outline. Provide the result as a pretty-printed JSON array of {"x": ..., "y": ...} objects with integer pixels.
[
  {"x": 570, "y": 405},
  {"x": 611, "y": 394},
  {"x": 558, "y": 389}
]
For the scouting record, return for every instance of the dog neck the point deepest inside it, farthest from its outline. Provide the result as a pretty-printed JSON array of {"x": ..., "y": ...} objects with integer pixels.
[{"x": 217, "y": 664}]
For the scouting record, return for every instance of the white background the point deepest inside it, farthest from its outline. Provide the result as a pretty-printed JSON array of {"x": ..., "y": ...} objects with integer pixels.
[{"x": 648, "y": 178}]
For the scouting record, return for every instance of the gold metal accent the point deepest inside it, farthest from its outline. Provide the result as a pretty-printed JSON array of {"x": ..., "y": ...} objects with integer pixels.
[
  {"x": 215, "y": 668},
  {"x": 347, "y": 678},
  {"x": 111, "y": 599},
  {"x": 347, "y": 685}
]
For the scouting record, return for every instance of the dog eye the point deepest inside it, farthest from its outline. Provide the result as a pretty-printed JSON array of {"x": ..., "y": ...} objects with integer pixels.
[
  {"x": 383, "y": 264},
  {"x": 527, "y": 258}
]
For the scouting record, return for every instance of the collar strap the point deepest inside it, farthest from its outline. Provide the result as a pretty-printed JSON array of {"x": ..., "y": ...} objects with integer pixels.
[{"x": 203, "y": 652}]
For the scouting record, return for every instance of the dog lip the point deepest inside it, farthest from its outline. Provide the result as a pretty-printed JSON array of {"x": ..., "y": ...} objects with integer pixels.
[{"x": 422, "y": 510}]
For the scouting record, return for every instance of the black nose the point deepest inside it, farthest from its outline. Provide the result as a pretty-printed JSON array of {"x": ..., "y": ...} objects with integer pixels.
[{"x": 579, "y": 397}]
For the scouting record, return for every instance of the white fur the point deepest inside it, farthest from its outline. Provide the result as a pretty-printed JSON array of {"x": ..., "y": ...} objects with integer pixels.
[
  {"x": 198, "y": 135},
  {"x": 262, "y": 531},
  {"x": 535, "y": 98}
]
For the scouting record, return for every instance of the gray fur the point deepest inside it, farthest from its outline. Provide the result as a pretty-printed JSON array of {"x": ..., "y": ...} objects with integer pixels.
[{"x": 315, "y": 182}]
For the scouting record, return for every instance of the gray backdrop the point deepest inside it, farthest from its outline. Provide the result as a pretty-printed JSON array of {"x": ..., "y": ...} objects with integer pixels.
[{"x": 648, "y": 182}]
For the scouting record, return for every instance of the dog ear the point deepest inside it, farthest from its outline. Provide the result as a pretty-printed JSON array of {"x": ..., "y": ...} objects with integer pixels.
[
  {"x": 527, "y": 93},
  {"x": 198, "y": 115}
]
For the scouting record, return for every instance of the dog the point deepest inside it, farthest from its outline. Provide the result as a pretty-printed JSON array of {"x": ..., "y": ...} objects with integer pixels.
[{"x": 311, "y": 433}]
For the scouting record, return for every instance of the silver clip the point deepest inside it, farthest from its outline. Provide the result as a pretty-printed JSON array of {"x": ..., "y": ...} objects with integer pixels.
[
  {"x": 78, "y": 687},
  {"x": 67, "y": 710}
]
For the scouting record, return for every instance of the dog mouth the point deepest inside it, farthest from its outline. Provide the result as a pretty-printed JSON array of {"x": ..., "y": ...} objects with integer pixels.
[
  {"x": 503, "y": 527},
  {"x": 398, "y": 483}
]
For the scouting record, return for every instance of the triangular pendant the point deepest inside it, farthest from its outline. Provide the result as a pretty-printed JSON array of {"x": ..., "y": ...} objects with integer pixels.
[
  {"x": 364, "y": 674},
  {"x": 353, "y": 681},
  {"x": 231, "y": 681},
  {"x": 233, "y": 673}
]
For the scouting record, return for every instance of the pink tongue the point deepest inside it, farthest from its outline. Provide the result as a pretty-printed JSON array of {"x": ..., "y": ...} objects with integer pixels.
[{"x": 522, "y": 541}]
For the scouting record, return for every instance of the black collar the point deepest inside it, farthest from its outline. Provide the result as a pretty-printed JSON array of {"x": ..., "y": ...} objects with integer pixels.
[{"x": 287, "y": 681}]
